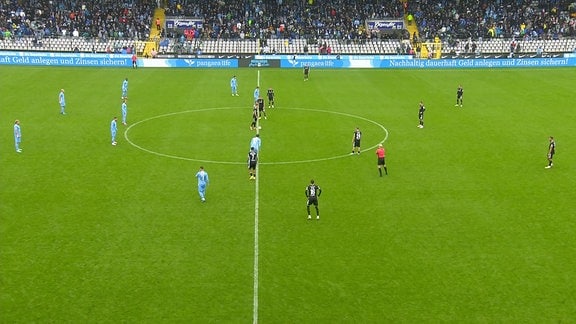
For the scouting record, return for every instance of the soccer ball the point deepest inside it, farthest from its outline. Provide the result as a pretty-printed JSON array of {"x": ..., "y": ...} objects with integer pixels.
[{"x": 259, "y": 127}]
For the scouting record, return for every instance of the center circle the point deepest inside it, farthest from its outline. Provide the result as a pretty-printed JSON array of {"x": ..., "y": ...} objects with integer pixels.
[{"x": 203, "y": 138}]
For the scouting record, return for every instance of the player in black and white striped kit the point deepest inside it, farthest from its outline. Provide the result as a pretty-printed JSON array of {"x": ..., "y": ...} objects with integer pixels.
[
  {"x": 551, "y": 152},
  {"x": 356, "y": 138},
  {"x": 459, "y": 96},
  {"x": 421, "y": 111},
  {"x": 312, "y": 192},
  {"x": 252, "y": 161},
  {"x": 270, "y": 94}
]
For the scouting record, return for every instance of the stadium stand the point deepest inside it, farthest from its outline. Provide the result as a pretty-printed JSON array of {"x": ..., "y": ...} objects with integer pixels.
[{"x": 510, "y": 27}]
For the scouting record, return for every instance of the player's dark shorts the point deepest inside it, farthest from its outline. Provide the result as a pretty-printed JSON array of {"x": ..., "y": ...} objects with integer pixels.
[
  {"x": 381, "y": 161},
  {"x": 252, "y": 165},
  {"x": 312, "y": 201},
  {"x": 271, "y": 98},
  {"x": 459, "y": 96},
  {"x": 356, "y": 143},
  {"x": 551, "y": 155}
]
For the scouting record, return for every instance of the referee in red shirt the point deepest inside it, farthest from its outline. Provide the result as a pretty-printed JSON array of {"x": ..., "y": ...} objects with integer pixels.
[{"x": 381, "y": 154}]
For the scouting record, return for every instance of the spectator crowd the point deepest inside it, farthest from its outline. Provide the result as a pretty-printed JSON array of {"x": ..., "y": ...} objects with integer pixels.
[
  {"x": 289, "y": 19},
  {"x": 535, "y": 19},
  {"x": 103, "y": 19},
  {"x": 285, "y": 18}
]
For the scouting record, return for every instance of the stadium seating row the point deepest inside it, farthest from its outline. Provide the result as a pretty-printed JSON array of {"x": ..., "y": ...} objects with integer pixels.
[
  {"x": 282, "y": 46},
  {"x": 522, "y": 46},
  {"x": 68, "y": 44}
]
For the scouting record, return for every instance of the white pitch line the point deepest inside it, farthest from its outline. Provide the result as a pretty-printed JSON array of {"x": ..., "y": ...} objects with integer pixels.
[
  {"x": 256, "y": 248},
  {"x": 237, "y": 162},
  {"x": 256, "y": 209},
  {"x": 257, "y": 183}
]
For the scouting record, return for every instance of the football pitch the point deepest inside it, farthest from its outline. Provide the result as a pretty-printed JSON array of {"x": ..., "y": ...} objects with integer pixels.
[{"x": 468, "y": 226}]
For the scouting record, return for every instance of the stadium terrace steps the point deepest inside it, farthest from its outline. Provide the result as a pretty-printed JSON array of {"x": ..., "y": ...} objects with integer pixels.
[{"x": 155, "y": 34}]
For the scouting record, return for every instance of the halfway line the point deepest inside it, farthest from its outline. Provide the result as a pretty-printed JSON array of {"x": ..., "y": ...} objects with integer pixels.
[{"x": 256, "y": 203}]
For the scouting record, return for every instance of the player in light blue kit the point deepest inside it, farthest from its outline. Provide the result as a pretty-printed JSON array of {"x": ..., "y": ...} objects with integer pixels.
[
  {"x": 62, "y": 101},
  {"x": 234, "y": 86},
  {"x": 113, "y": 129},
  {"x": 124, "y": 111},
  {"x": 125, "y": 89},
  {"x": 17, "y": 135},
  {"x": 256, "y": 93},
  {"x": 203, "y": 180},
  {"x": 255, "y": 143}
]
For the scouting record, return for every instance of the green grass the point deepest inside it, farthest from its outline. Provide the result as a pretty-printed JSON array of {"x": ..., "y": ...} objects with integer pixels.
[{"x": 467, "y": 227}]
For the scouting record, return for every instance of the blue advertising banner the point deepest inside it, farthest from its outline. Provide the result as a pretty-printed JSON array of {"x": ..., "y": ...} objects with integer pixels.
[
  {"x": 315, "y": 63},
  {"x": 65, "y": 59},
  {"x": 478, "y": 63},
  {"x": 189, "y": 63},
  {"x": 332, "y": 57},
  {"x": 427, "y": 64},
  {"x": 332, "y": 61},
  {"x": 282, "y": 61}
]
